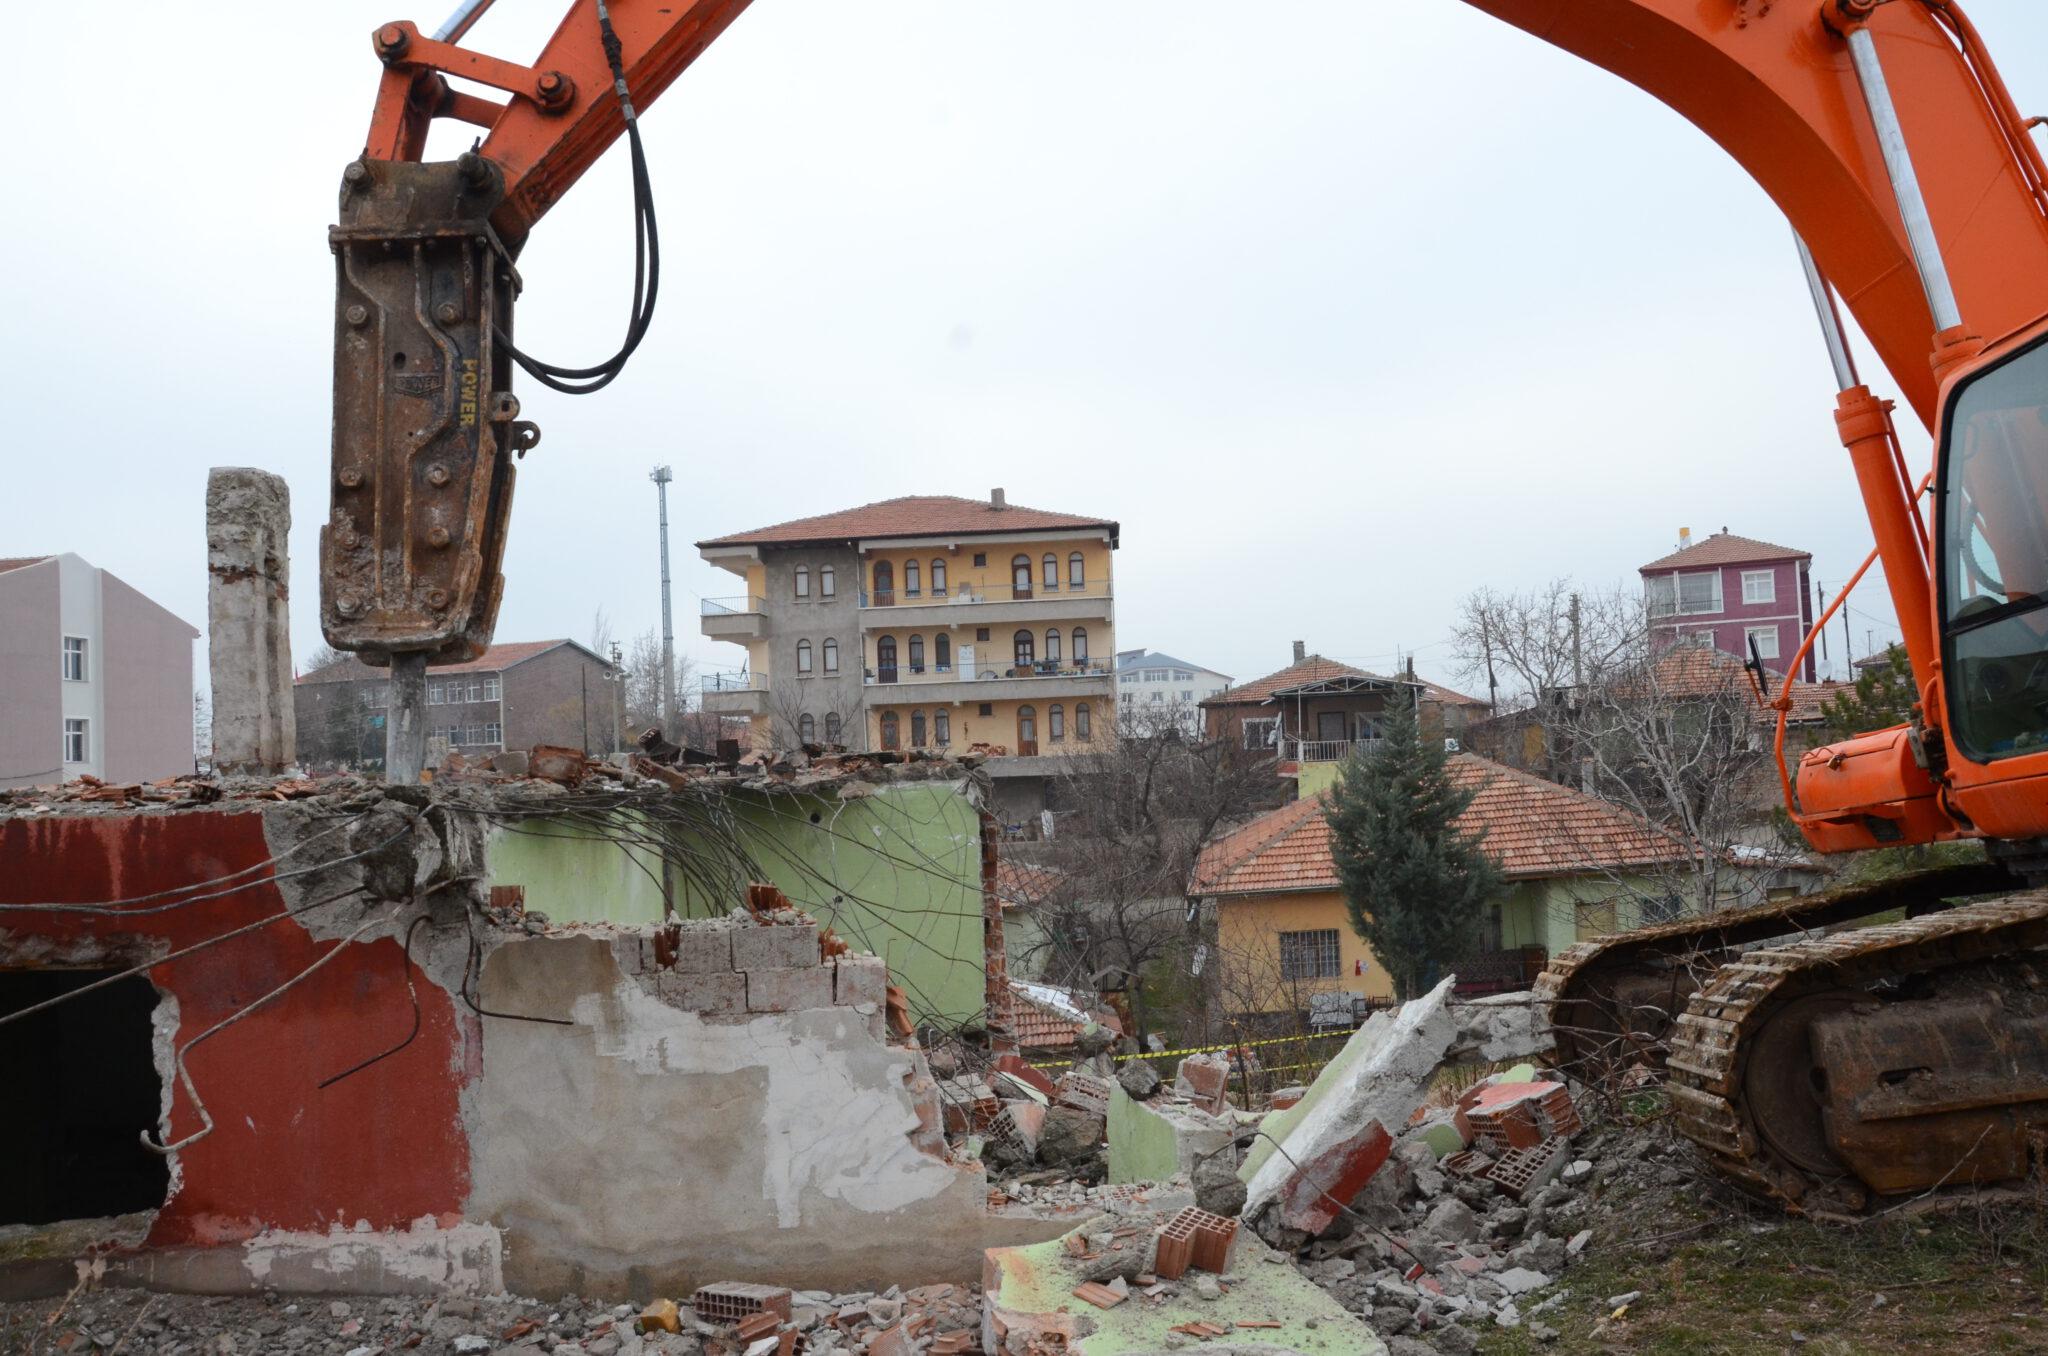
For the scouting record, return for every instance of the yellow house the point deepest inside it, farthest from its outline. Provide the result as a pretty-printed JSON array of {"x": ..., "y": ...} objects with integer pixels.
[
  {"x": 1575, "y": 866},
  {"x": 930, "y": 621}
]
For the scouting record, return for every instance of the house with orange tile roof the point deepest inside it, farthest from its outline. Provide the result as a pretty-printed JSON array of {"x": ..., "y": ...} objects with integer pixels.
[
  {"x": 929, "y": 621},
  {"x": 1317, "y": 710},
  {"x": 514, "y": 695},
  {"x": 1574, "y": 866}
]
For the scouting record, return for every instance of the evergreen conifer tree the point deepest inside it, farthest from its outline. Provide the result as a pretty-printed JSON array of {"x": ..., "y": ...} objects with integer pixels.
[
  {"x": 1414, "y": 883},
  {"x": 1884, "y": 696}
]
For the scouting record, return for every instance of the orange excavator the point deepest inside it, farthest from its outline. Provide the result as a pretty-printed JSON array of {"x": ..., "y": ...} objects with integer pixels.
[{"x": 1836, "y": 1070}]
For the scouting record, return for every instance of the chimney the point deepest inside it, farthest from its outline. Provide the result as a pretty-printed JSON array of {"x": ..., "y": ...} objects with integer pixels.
[
  {"x": 1684, "y": 538},
  {"x": 1300, "y": 651},
  {"x": 996, "y": 500}
]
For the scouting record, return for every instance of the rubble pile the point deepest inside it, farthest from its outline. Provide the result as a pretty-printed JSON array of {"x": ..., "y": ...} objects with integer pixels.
[{"x": 935, "y": 1320}]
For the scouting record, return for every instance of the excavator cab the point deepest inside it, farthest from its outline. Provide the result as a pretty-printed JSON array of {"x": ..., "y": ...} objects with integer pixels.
[{"x": 1993, "y": 559}]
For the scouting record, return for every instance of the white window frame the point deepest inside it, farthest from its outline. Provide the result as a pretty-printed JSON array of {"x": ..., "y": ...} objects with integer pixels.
[
  {"x": 75, "y": 648},
  {"x": 1660, "y": 595},
  {"x": 1765, "y": 589},
  {"x": 1678, "y": 591},
  {"x": 494, "y": 733},
  {"x": 437, "y": 694},
  {"x": 1260, "y": 731},
  {"x": 77, "y": 740},
  {"x": 1766, "y": 638},
  {"x": 494, "y": 690}
]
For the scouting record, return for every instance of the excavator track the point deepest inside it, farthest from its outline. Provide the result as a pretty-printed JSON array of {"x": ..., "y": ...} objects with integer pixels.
[{"x": 1687, "y": 994}]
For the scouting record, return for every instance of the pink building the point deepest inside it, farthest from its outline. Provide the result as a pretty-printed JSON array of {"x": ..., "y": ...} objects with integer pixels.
[
  {"x": 94, "y": 677},
  {"x": 1728, "y": 591}
]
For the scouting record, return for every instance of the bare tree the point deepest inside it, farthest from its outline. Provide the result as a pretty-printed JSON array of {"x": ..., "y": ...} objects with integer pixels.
[
  {"x": 643, "y": 681},
  {"x": 1136, "y": 812},
  {"x": 602, "y": 634},
  {"x": 1519, "y": 646},
  {"x": 322, "y": 656}
]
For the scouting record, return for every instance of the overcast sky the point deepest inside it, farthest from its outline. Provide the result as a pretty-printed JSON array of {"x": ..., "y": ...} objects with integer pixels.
[{"x": 1343, "y": 313}]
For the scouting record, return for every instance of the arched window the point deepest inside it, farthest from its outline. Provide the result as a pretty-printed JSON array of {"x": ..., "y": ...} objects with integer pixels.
[
  {"x": 885, "y": 660},
  {"x": 831, "y": 656},
  {"x": 828, "y": 582},
  {"x": 1052, "y": 644},
  {"x": 917, "y": 654},
  {"x": 803, "y": 656},
  {"x": 1080, "y": 645},
  {"x": 938, "y": 579},
  {"x": 831, "y": 727},
  {"x": 910, "y": 589},
  {"x": 1055, "y": 722},
  {"x": 1077, "y": 571},
  {"x": 1027, "y": 731},
  {"x": 892, "y": 731},
  {"x": 806, "y": 729},
  {"x": 1052, "y": 571},
  {"x": 1026, "y": 648},
  {"x": 942, "y": 653},
  {"x": 917, "y": 729},
  {"x": 942, "y": 728},
  {"x": 885, "y": 585},
  {"x": 803, "y": 581},
  {"x": 1082, "y": 722},
  {"x": 1020, "y": 576}
]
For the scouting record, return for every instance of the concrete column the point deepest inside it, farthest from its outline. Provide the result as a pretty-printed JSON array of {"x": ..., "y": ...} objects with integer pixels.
[{"x": 248, "y": 621}]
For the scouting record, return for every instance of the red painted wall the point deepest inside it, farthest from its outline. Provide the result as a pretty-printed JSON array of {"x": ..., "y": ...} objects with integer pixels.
[{"x": 386, "y": 1145}]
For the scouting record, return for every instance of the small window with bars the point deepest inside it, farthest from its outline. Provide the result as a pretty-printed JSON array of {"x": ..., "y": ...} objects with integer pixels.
[{"x": 1310, "y": 955}]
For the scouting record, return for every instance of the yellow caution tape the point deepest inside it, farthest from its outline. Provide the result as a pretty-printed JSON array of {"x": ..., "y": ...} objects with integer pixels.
[{"x": 1208, "y": 1049}]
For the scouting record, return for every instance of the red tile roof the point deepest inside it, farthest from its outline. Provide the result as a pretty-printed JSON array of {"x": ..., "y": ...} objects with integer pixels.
[
  {"x": 1533, "y": 828},
  {"x": 1437, "y": 692},
  {"x": 1022, "y": 884},
  {"x": 921, "y": 515},
  {"x": 1724, "y": 548},
  {"x": 1702, "y": 672},
  {"x": 494, "y": 660},
  {"x": 1043, "y": 1026},
  {"x": 1314, "y": 669},
  {"x": 16, "y": 562}
]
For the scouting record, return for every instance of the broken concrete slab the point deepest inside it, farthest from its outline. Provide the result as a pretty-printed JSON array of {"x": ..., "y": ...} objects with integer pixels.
[
  {"x": 1152, "y": 1141},
  {"x": 248, "y": 619},
  {"x": 1499, "y": 1027},
  {"x": 1028, "y": 1306},
  {"x": 1343, "y": 1130}
]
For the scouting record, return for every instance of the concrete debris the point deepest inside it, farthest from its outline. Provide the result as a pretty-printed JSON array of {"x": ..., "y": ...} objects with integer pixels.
[
  {"x": 1138, "y": 1079},
  {"x": 1498, "y": 1028},
  {"x": 1331, "y": 1143}
]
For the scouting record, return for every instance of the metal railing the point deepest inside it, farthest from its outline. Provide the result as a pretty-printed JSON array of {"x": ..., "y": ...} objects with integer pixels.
[
  {"x": 986, "y": 593},
  {"x": 1323, "y": 750},
  {"x": 733, "y": 682},
  {"x": 731, "y": 607},
  {"x": 1043, "y": 668}
]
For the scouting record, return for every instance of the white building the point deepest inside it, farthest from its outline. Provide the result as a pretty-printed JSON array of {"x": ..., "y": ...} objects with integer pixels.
[
  {"x": 95, "y": 679},
  {"x": 1149, "y": 683}
]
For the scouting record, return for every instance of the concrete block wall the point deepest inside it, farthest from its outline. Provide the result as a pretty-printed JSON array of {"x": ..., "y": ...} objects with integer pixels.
[{"x": 720, "y": 968}]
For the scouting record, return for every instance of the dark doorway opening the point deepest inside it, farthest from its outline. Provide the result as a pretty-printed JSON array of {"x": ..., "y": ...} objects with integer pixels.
[{"x": 82, "y": 1086}]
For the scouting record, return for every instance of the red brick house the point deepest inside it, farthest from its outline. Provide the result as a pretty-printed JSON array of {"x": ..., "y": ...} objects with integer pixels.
[{"x": 1728, "y": 591}]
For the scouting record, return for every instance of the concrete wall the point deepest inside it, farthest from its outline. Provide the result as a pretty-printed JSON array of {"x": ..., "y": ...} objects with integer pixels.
[
  {"x": 79, "y": 614},
  {"x": 815, "y": 618},
  {"x": 560, "y": 697},
  {"x": 32, "y": 713},
  {"x": 635, "y": 1141},
  {"x": 898, "y": 873},
  {"x": 146, "y": 686},
  {"x": 676, "y": 1148}
]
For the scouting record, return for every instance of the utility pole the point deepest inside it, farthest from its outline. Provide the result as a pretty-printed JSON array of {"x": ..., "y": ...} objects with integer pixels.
[
  {"x": 661, "y": 475},
  {"x": 1848, "y": 643},
  {"x": 1578, "y": 677},
  {"x": 1492, "y": 687},
  {"x": 1824, "y": 634},
  {"x": 618, "y": 697}
]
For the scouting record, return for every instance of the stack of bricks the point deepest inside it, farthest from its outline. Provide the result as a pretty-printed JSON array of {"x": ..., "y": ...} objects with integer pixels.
[
  {"x": 1193, "y": 1238},
  {"x": 1083, "y": 1092},
  {"x": 730, "y": 1303},
  {"x": 1509, "y": 1116},
  {"x": 729, "y": 969},
  {"x": 1522, "y": 1172}
]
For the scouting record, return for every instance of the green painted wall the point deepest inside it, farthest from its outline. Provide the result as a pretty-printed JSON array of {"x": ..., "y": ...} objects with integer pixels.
[
  {"x": 1547, "y": 913},
  {"x": 897, "y": 873},
  {"x": 1142, "y": 1145}
]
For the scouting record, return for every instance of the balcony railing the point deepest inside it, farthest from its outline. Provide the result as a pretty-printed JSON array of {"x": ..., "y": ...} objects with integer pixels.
[
  {"x": 997, "y": 593},
  {"x": 731, "y": 607},
  {"x": 733, "y": 682},
  {"x": 1323, "y": 750},
  {"x": 1043, "y": 668}
]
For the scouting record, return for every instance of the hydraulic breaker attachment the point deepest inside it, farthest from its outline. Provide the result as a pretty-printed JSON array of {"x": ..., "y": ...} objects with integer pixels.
[{"x": 425, "y": 422}]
